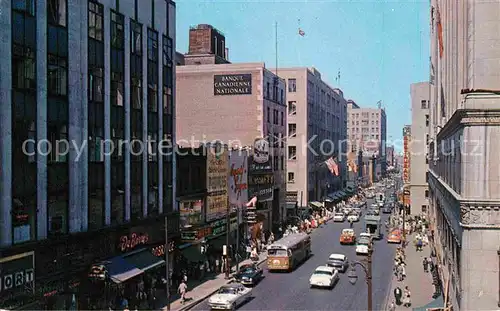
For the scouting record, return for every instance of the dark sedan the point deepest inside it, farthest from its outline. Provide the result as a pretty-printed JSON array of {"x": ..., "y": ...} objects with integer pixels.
[{"x": 249, "y": 274}]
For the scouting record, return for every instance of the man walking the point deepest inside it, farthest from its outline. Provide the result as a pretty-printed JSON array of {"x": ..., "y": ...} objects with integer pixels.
[{"x": 425, "y": 263}]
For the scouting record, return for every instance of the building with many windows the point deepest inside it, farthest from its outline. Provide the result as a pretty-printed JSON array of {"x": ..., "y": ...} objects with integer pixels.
[
  {"x": 86, "y": 93},
  {"x": 235, "y": 104},
  {"x": 367, "y": 132},
  {"x": 464, "y": 175},
  {"x": 317, "y": 117},
  {"x": 419, "y": 161}
]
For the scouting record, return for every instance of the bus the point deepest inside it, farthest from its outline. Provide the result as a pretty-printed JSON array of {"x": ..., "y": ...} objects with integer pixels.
[{"x": 286, "y": 253}]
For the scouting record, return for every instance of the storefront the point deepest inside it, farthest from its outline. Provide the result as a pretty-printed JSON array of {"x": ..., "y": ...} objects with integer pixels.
[{"x": 60, "y": 266}]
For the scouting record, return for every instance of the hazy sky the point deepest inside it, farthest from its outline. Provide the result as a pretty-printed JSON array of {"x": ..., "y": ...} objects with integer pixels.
[{"x": 379, "y": 47}]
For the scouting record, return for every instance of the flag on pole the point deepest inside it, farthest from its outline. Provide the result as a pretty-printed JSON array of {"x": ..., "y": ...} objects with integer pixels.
[
  {"x": 301, "y": 32},
  {"x": 332, "y": 166},
  {"x": 440, "y": 33}
]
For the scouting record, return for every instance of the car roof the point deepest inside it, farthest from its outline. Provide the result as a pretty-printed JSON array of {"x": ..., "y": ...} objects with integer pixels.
[
  {"x": 325, "y": 268},
  {"x": 365, "y": 234},
  {"x": 347, "y": 230},
  {"x": 337, "y": 256}
]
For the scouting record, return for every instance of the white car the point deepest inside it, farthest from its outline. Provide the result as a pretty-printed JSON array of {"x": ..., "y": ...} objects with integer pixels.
[
  {"x": 229, "y": 297},
  {"x": 353, "y": 217},
  {"x": 339, "y": 217},
  {"x": 363, "y": 244},
  {"x": 324, "y": 276}
]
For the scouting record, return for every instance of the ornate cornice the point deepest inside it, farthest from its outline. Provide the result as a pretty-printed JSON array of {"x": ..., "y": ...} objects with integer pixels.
[
  {"x": 483, "y": 214},
  {"x": 469, "y": 117}
]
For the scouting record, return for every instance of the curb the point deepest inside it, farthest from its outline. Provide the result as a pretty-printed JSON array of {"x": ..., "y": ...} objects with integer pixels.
[{"x": 204, "y": 297}]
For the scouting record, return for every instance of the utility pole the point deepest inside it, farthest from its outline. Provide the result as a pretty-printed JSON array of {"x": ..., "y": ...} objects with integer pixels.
[
  {"x": 238, "y": 239},
  {"x": 228, "y": 226},
  {"x": 369, "y": 279},
  {"x": 167, "y": 265}
]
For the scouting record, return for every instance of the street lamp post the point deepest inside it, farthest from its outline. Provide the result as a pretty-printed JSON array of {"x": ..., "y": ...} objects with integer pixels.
[{"x": 367, "y": 268}]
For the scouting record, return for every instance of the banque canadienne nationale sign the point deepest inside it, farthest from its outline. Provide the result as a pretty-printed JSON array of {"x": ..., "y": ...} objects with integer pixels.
[{"x": 234, "y": 84}]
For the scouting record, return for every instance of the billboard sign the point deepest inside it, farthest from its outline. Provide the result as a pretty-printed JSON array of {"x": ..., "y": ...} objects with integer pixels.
[
  {"x": 238, "y": 178},
  {"x": 217, "y": 175}
]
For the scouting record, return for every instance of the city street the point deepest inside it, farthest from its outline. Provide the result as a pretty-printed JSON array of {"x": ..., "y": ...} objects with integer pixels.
[{"x": 290, "y": 291}]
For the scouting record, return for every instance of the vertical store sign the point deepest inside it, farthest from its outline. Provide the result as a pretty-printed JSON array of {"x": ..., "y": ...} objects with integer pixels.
[
  {"x": 238, "y": 178},
  {"x": 217, "y": 175},
  {"x": 406, "y": 153}
]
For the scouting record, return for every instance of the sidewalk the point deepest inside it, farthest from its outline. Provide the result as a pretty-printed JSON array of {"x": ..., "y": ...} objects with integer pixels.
[
  {"x": 207, "y": 288},
  {"x": 419, "y": 282}
]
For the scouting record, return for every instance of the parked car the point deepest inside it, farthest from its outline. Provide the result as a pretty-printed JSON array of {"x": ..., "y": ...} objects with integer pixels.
[
  {"x": 347, "y": 236},
  {"x": 324, "y": 276},
  {"x": 339, "y": 217},
  {"x": 249, "y": 274},
  {"x": 229, "y": 297},
  {"x": 394, "y": 236},
  {"x": 387, "y": 209},
  {"x": 339, "y": 262}
]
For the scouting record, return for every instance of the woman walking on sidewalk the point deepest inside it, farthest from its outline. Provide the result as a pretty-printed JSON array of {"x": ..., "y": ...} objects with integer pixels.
[
  {"x": 182, "y": 291},
  {"x": 407, "y": 297}
]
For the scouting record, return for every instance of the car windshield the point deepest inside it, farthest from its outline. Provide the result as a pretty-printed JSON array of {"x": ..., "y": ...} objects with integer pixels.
[
  {"x": 247, "y": 270},
  {"x": 339, "y": 214},
  {"x": 336, "y": 261},
  {"x": 228, "y": 290},
  {"x": 364, "y": 241},
  {"x": 322, "y": 272},
  {"x": 277, "y": 252}
]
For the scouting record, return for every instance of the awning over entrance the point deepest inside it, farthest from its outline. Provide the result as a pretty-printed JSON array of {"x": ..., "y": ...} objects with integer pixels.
[
  {"x": 315, "y": 204},
  {"x": 119, "y": 270},
  {"x": 144, "y": 260},
  {"x": 436, "y": 304},
  {"x": 122, "y": 268}
]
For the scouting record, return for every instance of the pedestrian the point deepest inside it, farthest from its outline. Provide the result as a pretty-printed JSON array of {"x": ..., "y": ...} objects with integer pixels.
[
  {"x": 407, "y": 297},
  {"x": 403, "y": 271},
  {"x": 392, "y": 306},
  {"x": 425, "y": 263},
  {"x": 182, "y": 291},
  {"x": 217, "y": 266}
]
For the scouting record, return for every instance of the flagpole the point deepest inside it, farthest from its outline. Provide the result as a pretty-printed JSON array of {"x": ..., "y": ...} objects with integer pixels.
[{"x": 276, "y": 44}]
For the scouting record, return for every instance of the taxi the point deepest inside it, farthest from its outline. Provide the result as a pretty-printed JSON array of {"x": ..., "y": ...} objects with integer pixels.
[
  {"x": 394, "y": 236},
  {"x": 347, "y": 237}
]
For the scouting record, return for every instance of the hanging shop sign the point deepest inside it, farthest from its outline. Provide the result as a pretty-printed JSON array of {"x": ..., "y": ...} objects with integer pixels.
[
  {"x": 159, "y": 251},
  {"x": 217, "y": 177},
  {"x": 291, "y": 196},
  {"x": 131, "y": 241},
  {"x": 238, "y": 178},
  {"x": 260, "y": 161},
  {"x": 17, "y": 280},
  {"x": 261, "y": 186},
  {"x": 194, "y": 235},
  {"x": 219, "y": 227},
  {"x": 191, "y": 212},
  {"x": 233, "y": 84}
]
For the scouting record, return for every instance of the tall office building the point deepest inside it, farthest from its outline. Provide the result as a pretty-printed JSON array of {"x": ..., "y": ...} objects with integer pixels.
[
  {"x": 464, "y": 175},
  {"x": 367, "y": 132},
  {"x": 317, "y": 117},
  {"x": 235, "y": 104},
  {"x": 76, "y": 74},
  {"x": 419, "y": 161}
]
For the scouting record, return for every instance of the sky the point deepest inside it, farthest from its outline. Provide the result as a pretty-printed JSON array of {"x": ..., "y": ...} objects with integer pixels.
[{"x": 379, "y": 47}]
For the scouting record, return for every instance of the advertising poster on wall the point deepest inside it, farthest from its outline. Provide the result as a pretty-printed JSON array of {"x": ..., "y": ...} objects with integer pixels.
[
  {"x": 217, "y": 177},
  {"x": 238, "y": 179},
  {"x": 191, "y": 212},
  {"x": 406, "y": 153},
  {"x": 17, "y": 275}
]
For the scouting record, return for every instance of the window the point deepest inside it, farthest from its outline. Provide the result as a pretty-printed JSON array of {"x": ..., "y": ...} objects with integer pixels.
[
  {"x": 292, "y": 153},
  {"x": 117, "y": 30},
  {"x": 96, "y": 21},
  {"x": 292, "y": 108},
  {"x": 56, "y": 12},
  {"x": 135, "y": 38},
  {"x": 282, "y": 163},
  {"x": 275, "y": 163},
  {"x": 427, "y": 120},
  {"x": 57, "y": 71},
  {"x": 152, "y": 71},
  {"x": 424, "y": 209},
  {"x": 268, "y": 90},
  {"x": 426, "y": 159},
  {"x": 116, "y": 89},
  {"x": 96, "y": 196},
  {"x": 292, "y": 85},
  {"x": 117, "y": 193},
  {"x": 268, "y": 115},
  {"x": 282, "y": 118},
  {"x": 152, "y": 45},
  {"x": 292, "y": 130},
  {"x": 26, "y": 6},
  {"x": 167, "y": 61},
  {"x": 96, "y": 85},
  {"x": 423, "y": 104},
  {"x": 426, "y": 194},
  {"x": 291, "y": 177},
  {"x": 275, "y": 116},
  {"x": 136, "y": 92},
  {"x": 57, "y": 203}
]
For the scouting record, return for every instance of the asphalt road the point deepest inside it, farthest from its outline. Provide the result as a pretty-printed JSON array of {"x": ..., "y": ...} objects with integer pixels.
[{"x": 291, "y": 291}]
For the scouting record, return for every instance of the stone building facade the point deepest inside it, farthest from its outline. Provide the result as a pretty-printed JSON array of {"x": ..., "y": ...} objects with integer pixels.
[
  {"x": 464, "y": 172},
  {"x": 317, "y": 113},
  {"x": 419, "y": 162}
]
